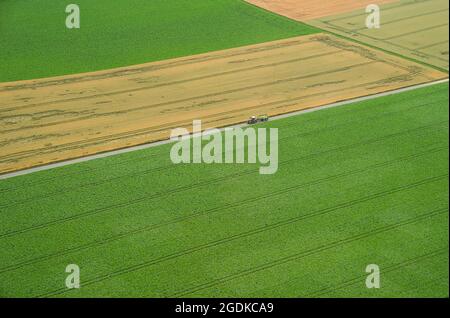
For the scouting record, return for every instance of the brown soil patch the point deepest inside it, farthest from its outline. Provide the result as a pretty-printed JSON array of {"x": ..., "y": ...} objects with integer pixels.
[
  {"x": 49, "y": 120},
  {"x": 304, "y": 10}
]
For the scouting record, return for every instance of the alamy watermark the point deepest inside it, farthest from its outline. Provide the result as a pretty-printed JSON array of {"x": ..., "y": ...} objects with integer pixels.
[
  {"x": 73, "y": 19},
  {"x": 373, "y": 20},
  {"x": 373, "y": 279},
  {"x": 234, "y": 145},
  {"x": 73, "y": 279}
]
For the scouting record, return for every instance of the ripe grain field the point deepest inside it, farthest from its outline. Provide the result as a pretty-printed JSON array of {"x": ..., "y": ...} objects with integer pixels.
[
  {"x": 358, "y": 184},
  {"x": 51, "y": 120}
]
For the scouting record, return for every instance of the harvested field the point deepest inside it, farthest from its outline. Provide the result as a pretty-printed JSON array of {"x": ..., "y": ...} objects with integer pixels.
[
  {"x": 304, "y": 10},
  {"x": 49, "y": 120},
  {"x": 411, "y": 28}
]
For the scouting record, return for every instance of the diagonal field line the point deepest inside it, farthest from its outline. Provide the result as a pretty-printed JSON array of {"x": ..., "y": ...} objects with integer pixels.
[
  {"x": 251, "y": 232},
  {"x": 154, "y": 144},
  {"x": 123, "y": 235}
]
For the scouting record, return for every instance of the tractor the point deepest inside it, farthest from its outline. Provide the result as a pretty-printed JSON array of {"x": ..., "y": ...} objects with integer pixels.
[{"x": 257, "y": 119}]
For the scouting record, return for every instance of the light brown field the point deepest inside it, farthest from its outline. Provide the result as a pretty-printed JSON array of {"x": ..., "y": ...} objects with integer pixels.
[
  {"x": 304, "y": 10},
  {"x": 411, "y": 28},
  {"x": 49, "y": 120}
]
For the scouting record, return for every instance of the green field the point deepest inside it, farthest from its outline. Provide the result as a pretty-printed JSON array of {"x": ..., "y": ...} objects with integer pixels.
[
  {"x": 361, "y": 184},
  {"x": 35, "y": 42}
]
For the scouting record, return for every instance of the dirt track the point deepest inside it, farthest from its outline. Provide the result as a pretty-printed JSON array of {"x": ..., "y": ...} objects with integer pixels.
[
  {"x": 304, "y": 10},
  {"x": 50, "y": 120}
]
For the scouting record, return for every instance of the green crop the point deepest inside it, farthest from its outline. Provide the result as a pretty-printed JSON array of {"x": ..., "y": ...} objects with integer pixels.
[{"x": 361, "y": 184}]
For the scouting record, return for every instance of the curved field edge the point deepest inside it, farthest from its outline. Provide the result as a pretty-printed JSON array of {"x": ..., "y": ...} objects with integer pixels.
[
  {"x": 358, "y": 184},
  {"x": 35, "y": 43}
]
